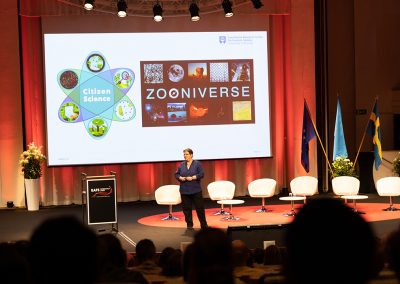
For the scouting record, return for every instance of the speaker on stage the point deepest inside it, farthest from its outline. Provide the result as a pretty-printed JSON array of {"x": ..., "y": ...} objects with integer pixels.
[{"x": 255, "y": 235}]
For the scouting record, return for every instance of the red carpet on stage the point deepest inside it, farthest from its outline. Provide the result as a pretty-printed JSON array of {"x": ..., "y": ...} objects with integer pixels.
[{"x": 248, "y": 216}]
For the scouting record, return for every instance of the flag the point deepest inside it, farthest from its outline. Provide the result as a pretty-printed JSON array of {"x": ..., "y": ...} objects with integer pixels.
[
  {"x": 374, "y": 129},
  {"x": 307, "y": 134},
  {"x": 339, "y": 143}
]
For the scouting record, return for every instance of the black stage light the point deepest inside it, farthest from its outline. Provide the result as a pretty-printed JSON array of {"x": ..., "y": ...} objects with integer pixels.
[
  {"x": 121, "y": 5},
  {"x": 227, "y": 5},
  {"x": 157, "y": 11},
  {"x": 257, "y": 4},
  {"x": 88, "y": 5},
  {"x": 194, "y": 12}
]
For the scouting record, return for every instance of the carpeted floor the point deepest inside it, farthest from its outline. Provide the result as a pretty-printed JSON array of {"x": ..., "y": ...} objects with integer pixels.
[{"x": 141, "y": 219}]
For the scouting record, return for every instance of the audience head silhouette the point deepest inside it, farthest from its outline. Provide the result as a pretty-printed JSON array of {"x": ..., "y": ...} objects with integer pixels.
[
  {"x": 392, "y": 251},
  {"x": 14, "y": 266},
  {"x": 63, "y": 250},
  {"x": 172, "y": 266},
  {"x": 165, "y": 254},
  {"x": 211, "y": 258},
  {"x": 186, "y": 257},
  {"x": 257, "y": 255},
  {"x": 240, "y": 253},
  {"x": 273, "y": 255},
  {"x": 328, "y": 242},
  {"x": 145, "y": 251},
  {"x": 110, "y": 251},
  {"x": 112, "y": 262}
]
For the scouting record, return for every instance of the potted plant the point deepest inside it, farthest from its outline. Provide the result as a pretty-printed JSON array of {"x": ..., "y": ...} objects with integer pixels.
[
  {"x": 344, "y": 177},
  {"x": 31, "y": 166},
  {"x": 343, "y": 167}
]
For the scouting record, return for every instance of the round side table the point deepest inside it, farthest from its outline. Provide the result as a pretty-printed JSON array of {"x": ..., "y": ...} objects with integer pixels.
[
  {"x": 230, "y": 202},
  {"x": 292, "y": 199},
  {"x": 355, "y": 198}
]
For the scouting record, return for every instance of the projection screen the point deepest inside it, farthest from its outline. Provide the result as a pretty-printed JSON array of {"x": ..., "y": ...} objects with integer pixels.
[{"x": 128, "y": 97}]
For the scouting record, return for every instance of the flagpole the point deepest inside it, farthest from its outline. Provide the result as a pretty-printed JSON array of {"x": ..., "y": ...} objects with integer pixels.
[
  {"x": 365, "y": 130},
  {"x": 319, "y": 139}
]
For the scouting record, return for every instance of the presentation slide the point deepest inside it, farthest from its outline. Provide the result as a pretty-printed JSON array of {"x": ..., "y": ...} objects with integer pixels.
[{"x": 116, "y": 98}]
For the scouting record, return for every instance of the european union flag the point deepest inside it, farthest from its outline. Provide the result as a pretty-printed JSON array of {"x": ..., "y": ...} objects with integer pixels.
[
  {"x": 307, "y": 134},
  {"x": 374, "y": 129},
  {"x": 339, "y": 143}
]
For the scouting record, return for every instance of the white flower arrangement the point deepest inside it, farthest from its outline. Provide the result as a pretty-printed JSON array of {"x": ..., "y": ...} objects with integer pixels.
[
  {"x": 343, "y": 167},
  {"x": 30, "y": 162}
]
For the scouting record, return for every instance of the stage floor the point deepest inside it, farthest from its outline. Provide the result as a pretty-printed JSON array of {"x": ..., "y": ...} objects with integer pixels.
[
  {"x": 142, "y": 219},
  {"x": 372, "y": 212}
]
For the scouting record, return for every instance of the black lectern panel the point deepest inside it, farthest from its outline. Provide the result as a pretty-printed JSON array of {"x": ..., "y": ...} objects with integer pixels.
[
  {"x": 255, "y": 235},
  {"x": 101, "y": 200}
]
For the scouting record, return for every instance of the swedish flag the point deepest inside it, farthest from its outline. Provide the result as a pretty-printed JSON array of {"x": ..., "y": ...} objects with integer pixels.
[{"x": 374, "y": 129}]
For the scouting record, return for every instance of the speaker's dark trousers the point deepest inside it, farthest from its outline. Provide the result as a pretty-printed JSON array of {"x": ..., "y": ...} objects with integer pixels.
[{"x": 196, "y": 199}]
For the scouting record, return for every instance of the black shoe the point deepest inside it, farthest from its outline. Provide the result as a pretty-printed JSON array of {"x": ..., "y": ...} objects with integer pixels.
[
  {"x": 189, "y": 228},
  {"x": 189, "y": 232},
  {"x": 204, "y": 227}
]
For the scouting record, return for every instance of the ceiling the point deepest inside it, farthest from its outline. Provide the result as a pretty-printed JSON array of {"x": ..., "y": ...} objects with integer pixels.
[{"x": 144, "y": 8}]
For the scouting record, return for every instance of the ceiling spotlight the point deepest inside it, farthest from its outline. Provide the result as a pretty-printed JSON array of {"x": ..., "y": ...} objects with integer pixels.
[
  {"x": 88, "y": 5},
  {"x": 157, "y": 11},
  {"x": 121, "y": 5},
  {"x": 227, "y": 5},
  {"x": 257, "y": 4},
  {"x": 194, "y": 12}
]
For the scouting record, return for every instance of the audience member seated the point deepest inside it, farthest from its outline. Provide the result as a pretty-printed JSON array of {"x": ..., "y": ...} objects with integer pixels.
[
  {"x": 14, "y": 267},
  {"x": 379, "y": 258},
  {"x": 165, "y": 254},
  {"x": 187, "y": 255},
  {"x": 241, "y": 254},
  {"x": 272, "y": 261},
  {"x": 283, "y": 253},
  {"x": 112, "y": 262},
  {"x": 172, "y": 267},
  {"x": 257, "y": 256},
  {"x": 392, "y": 252},
  {"x": 63, "y": 250},
  {"x": 383, "y": 274},
  {"x": 210, "y": 258},
  {"x": 329, "y": 243},
  {"x": 273, "y": 255},
  {"x": 22, "y": 246},
  {"x": 145, "y": 259}
]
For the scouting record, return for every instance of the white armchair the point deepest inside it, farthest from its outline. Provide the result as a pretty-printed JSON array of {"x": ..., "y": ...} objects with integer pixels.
[
  {"x": 168, "y": 195},
  {"x": 389, "y": 186},
  {"x": 221, "y": 190},
  {"x": 304, "y": 186},
  {"x": 262, "y": 188},
  {"x": 345, "y": 185}
]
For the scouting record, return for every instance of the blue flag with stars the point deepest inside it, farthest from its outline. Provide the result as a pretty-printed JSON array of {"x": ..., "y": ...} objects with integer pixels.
[{"x": 308, "y": 133}]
